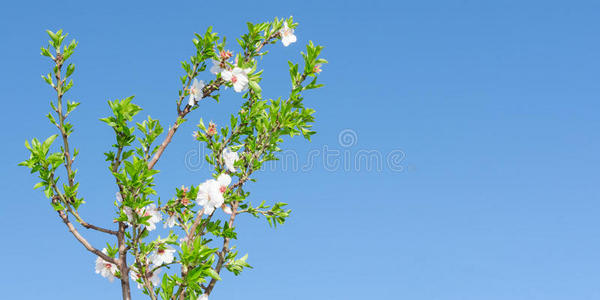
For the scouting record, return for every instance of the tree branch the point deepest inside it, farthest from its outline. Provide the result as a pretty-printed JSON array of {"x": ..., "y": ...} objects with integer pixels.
[
  {"x": 123, "y": 268},
  {"x": 223, "y": 253},
  {"x": 206, "y": 92},
  {"x": 88, "y": 225},
  {"x": 192, "y": 233},
  {"x": 83, "y": 241}
]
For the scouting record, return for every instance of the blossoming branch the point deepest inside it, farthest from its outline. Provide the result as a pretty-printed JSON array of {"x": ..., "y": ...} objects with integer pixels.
[{"x": 198, "y": 221}]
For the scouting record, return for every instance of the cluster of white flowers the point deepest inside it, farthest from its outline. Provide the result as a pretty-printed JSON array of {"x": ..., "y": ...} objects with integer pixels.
[
  {"x": 210, "y": 193},
  {"x": 105, "y": 269},
  {"x": 239, "y": 76},
  {"x": 196, "y": 92}
]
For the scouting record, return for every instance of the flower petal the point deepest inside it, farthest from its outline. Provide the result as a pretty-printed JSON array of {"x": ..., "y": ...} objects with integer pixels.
[
  {"x": 224, "y": 179},
  {"x": 227, "y": 75}
]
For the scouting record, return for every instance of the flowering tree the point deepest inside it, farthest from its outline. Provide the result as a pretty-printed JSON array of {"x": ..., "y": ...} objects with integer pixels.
[{"x": 187, "y": 261}]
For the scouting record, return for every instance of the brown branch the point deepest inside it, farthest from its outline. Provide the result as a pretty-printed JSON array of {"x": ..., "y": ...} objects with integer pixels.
[
  {"x": 223, "y": 253},
  {"x": 65, "y": 217},
  {"x": 207, "y": 91},
  {"x": 180, "y": 293},
  {"x": 68, "y": 161},
  {"x": 94, "y": 227},
  {"x": 83, "y": 241},
  {"x": 192, "y": 232},
  {"x": 124, "y": 270},
  {"x": 167, "y": 140},
  {"x": 139, "y": 264},
  {"x": 225, "y": 249},
  {"x": 262, "y": 44},
  {"x": 88, "y": 225},
  {"x": 149, "y": 288},
  {"x": 61, "y": 118}
]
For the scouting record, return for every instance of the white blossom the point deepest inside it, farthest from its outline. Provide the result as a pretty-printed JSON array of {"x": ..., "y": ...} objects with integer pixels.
[
  {"x": 149, "y": 210},
  {"x": 129, "y": 213},
  {"x": 238, "y": 77},
  {"x": 119, "y": 197},
  {"x": 105, "y": 269},
  {"x": 287, "y": 35},
  {"x": 171, "y": 221},
  {"x": 203, "y": 297},
  {"x": 226, "y": 208},
  {"x": 162, "y": 255},
  {"x": 210, "y": 193},
  {"x": 230, "y": 157},
  {"x": 154, "y": 214},
  {"x": 216, "y": 67},
  {"x": 135, "y": 276},
  {"x": 154, "y": 279},
  {"x": 224, "y": 180},
  {"x": 196, "y": 92}
]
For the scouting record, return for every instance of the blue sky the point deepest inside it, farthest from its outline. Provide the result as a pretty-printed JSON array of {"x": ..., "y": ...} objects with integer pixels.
[{"x": 494, "y": 107}]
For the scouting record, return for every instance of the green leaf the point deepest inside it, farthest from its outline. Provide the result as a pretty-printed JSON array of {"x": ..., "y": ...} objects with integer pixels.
[
  {"x": 46, "y": 52},
  {"x": 48, "y": 79},
  {"x": 70, "y": 69},
  {"x": 52, "y": 35},
  {"x": 213, "y": 274},
  {"x": 71, "y": 106},
  {"x": 49, "y": 141},
  {"x": 255, "y": 87}
]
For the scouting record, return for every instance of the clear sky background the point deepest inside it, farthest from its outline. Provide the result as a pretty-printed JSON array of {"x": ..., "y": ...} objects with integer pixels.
[{"x": 494, "y": 104}]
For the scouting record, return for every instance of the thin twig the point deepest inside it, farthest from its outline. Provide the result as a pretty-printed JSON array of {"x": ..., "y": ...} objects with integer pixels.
[
  {"x": 223, "y": 253},
  {"x": 206, "y": 92},
  {"x": 88, "y": 225},
  {"x": 83, "y": 241}
]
